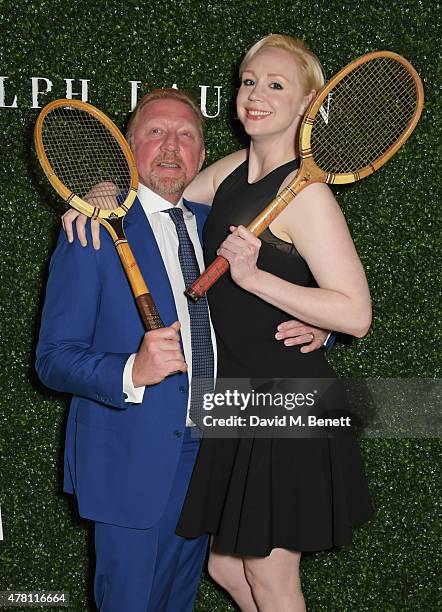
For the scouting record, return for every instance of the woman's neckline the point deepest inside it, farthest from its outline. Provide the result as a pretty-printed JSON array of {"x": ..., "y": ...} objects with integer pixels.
[{"x": 246, "y": 163}]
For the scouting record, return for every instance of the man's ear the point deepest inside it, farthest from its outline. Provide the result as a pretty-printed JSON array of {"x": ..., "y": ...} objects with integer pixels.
[
  {"x": 130, "y": 142},
  {"x": 202, "y": 157}
]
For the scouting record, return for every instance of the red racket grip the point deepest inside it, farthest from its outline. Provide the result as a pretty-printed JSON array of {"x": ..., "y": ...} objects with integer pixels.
[{"x": 208, "y": 278}]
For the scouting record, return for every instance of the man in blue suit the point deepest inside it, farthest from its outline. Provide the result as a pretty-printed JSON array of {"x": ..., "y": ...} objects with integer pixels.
[{"x": 129, "y": 453}]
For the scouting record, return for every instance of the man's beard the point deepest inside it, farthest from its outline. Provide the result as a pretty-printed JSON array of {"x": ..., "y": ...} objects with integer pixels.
[{"x": 167, "y": 185}]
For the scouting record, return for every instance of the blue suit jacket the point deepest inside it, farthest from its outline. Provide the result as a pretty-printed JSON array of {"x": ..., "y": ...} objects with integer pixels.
[{"x": 120, "y": 458}]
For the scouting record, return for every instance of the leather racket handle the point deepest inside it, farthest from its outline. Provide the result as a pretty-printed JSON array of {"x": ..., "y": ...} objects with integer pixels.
[
  {"x": 145, "y": 303},
  {"x": 149, "y": 312}
]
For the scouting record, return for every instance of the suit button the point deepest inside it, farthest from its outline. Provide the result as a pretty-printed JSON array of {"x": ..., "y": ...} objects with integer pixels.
[
  {"x": 182, "y": 389},
  {"x": 177, "y": 433}
]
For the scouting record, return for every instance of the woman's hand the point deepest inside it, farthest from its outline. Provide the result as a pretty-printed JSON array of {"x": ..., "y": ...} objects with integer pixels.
[
  {"x": 103, "y": 195},
  {"x": 241, "y": 249},
  {"x": 68, "y": 219}
]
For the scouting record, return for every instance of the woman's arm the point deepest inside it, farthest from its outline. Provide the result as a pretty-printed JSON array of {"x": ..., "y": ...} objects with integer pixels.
[
  {"x": 317, "y": 227},
  {"x": 204, "y": 185}
]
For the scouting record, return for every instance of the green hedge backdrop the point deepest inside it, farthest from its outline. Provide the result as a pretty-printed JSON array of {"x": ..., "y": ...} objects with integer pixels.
[{"x": 392, "y": 216}]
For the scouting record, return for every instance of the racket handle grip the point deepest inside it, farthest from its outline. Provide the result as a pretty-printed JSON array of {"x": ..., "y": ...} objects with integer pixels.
[
  {"x": 145, "y": 303},
  {"x": 208, "y": 278},
  {"x": 149, "y": 312},
  {"x": 150, "y": 315}
]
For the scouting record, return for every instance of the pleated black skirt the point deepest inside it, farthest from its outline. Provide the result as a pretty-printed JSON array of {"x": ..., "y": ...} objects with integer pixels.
[{"x": 253, "y": 495}]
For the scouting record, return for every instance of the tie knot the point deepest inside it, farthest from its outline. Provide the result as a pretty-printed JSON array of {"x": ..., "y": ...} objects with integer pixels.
[{"x": 176, "y": 214}]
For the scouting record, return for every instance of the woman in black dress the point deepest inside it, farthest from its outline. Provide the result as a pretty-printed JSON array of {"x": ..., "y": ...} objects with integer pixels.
[{"x": 267, "y": 500}]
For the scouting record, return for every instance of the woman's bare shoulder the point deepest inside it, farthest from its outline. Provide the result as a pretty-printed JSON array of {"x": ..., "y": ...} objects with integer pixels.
[
  {"x": 226, "y": 165},
  {"x": 204, "y": 185}
]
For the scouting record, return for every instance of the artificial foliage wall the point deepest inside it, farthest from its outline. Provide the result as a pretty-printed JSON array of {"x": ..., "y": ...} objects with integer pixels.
[{"x": 114, "y": 51}]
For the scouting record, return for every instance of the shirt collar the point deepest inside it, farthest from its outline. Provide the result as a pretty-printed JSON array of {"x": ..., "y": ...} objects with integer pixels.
[{"x": 154, "y": 203}]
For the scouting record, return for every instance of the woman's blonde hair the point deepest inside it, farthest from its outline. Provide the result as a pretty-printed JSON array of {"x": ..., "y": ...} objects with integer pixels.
[{"x": 311, "y": 72}]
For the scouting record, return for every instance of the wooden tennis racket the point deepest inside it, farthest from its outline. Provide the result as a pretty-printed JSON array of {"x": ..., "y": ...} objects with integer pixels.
[
  {"x": 356, "y": 123},
  {"x": 78, "y": 148}
]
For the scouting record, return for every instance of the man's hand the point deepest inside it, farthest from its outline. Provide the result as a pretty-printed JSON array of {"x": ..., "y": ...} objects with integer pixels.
[
  {"x": 103, "y": 195},
  {"x": 296, "y": 332},
  {"x": 158, "y": 356}
]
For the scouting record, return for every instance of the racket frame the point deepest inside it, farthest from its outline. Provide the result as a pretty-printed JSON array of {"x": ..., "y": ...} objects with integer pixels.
[
  {"x": 313, "y": 109},
  {"x": 71, "y": 198},
  {"x": 111, "y": 219}
]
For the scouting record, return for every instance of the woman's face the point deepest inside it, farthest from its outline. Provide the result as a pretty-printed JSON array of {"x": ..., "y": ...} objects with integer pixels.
[{"x": 271, "y": 99}]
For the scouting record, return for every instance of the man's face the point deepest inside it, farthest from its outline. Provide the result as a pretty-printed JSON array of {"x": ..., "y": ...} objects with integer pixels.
[{"x": 167, "y": 146}]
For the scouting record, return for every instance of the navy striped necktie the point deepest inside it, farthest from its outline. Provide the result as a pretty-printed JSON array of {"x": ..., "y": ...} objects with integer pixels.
[{"x": 201, "y": 339}]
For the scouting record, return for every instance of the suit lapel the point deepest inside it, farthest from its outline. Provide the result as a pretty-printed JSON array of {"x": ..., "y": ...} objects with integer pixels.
[
  {"x": 144, "y": 246},
  {"x": 200, "y": 218}
]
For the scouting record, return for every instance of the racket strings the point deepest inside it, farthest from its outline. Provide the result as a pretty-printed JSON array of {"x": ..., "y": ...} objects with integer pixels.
[
  {"x": 361, "y": 132},
  {"x": 85, "y": 156},
  {"x": 383, "y": 131},
  {"x": 360, "y": 129},
  {"x": 368, "y": 111}
]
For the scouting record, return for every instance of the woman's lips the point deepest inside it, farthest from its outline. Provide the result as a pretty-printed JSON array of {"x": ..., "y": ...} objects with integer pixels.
[{"x": 257, "y": 115}]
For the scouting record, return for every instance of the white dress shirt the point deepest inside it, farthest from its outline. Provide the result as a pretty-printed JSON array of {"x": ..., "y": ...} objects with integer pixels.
[{"x": 167, "y": 239}]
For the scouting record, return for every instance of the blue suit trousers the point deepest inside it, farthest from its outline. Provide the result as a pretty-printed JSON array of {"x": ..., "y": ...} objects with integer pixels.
[{"x": 151, "y": 570}]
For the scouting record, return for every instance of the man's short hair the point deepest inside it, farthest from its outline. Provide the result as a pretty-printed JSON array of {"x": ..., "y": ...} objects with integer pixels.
[{"x": 166, "y": 94}]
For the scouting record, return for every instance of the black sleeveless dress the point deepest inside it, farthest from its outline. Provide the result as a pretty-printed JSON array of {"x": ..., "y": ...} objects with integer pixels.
[{"x": 256, "y": 494}]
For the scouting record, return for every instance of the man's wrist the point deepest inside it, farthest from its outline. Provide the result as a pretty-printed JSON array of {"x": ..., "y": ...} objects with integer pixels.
[
  {"x": 133, "y": 393},
  {"x": 329, "y": 341}
]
